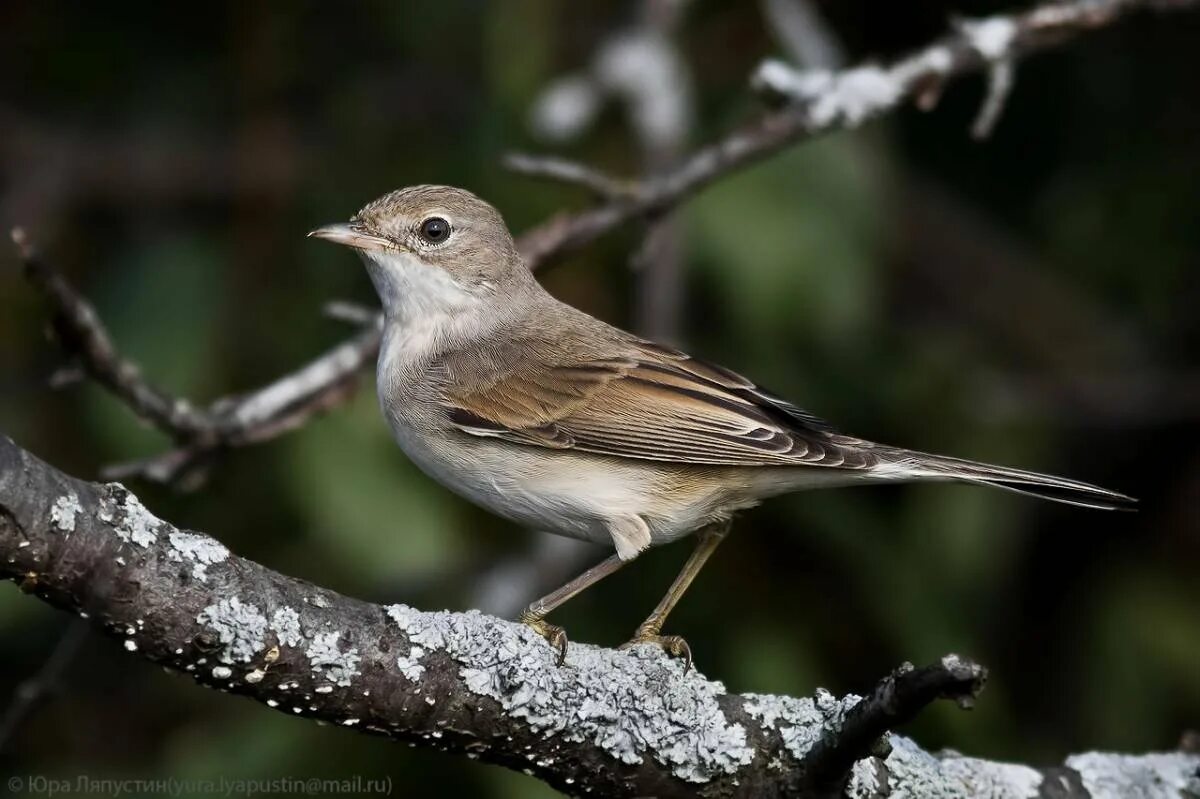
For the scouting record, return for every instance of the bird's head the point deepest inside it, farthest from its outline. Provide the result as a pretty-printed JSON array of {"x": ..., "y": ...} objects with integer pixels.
[{"x": 432, "y": 248}]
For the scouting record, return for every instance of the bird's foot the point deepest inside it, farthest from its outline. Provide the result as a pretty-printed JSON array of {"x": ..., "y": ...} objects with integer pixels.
[
  {"x": 556, "y": 636},
  {"x": 673, "y": 645}
]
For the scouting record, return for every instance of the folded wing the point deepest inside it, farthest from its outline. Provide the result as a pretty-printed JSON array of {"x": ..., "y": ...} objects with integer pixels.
[{"x": 649, "y": 402}]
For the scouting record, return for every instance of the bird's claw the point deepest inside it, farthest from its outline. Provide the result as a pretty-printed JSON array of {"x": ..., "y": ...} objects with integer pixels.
[
  {"x": 673, "y": 645},
  {"x": 556, "y": 636}
]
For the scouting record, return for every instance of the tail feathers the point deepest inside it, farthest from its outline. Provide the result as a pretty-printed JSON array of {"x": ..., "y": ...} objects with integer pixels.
[{"x": 918, "y": 465}]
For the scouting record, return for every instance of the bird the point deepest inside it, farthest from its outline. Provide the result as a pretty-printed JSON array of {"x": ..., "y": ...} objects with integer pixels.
[{"x": 556, "y": 420}]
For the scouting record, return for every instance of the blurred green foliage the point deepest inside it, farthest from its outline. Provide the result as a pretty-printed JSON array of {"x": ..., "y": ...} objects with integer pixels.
[{"x": 1029, "y": 300}]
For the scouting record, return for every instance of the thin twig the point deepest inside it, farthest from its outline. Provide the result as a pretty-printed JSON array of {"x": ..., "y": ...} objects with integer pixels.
[
  {"x": 802, "y": 31},
  {"x": 350, "y": 312},
  {"x": 199, "y": 432},
  {"x": 825, "y": 101},
  {"x": 548, "y": 167},
  {"x": 1001, "y": 77},
  {"x": 82, "y": 333},
  {"x": 45, "y": 682}
]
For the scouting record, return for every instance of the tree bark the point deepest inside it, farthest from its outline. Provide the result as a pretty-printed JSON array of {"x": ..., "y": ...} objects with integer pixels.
[{"x": 608, "y": 723}]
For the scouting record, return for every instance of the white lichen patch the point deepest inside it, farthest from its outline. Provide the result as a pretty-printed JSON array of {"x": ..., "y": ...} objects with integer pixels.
[
  {"x": 1164, "y": 775},
  {"x": 409, "y": 665},
  {"x": 991, "y": 37},
  {"x": 801, "y": 721},
  {"x": 851, "y": 96},
  {"x": 200, "y": 550},
  {"x": 222, "y": 672},
  {"x": 63, "y": 512},
  {"x": 946, "y": 777},
  {"x": 285, "y": 623},
  {"x": 631, "y": 704},
  {"x": 329, "y": 661},
  {"x": 240, "y": 627},
  {"x": 135, "y": 524}
]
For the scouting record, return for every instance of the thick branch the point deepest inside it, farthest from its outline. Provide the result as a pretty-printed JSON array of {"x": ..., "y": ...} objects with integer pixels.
[{"x": 610, "y": 723}]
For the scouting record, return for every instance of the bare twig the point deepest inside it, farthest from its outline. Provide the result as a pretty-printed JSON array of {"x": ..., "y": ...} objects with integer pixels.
[
  {"x": 199, "y": 432},
  {"x": 1001, "y": 77},
  {"x": 351, "y": 313},
  {"x": 608, "y": 723},
  {"x": 46, "y": 682},
  {"x": 821, "y": 102},
  {"x": 81, "y": 332},
  {"x": 547, "y": 167},
  {"x": 800, "y": 28}
]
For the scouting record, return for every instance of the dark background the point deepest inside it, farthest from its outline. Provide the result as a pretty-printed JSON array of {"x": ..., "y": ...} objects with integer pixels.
[{"x": 1031, "y": 300}]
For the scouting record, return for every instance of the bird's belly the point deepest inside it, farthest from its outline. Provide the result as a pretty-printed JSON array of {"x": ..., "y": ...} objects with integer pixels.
[{"x": 568, "y": 493}]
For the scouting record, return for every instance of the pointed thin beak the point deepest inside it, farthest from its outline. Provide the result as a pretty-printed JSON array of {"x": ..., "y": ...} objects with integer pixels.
[{"x": 351, "y": 236}]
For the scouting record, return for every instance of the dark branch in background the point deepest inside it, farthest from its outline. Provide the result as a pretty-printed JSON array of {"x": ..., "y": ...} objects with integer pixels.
[
  {"x": 43, "y": 685},
  {"x": 609, "y": 723},
  {"x": 198, "y": 432},
  {"x": 80, "y": 331},
  {"x": 817, "y": 102},
  {"x": 560, "y": 170},
  {"x": 820, "y": 102}
]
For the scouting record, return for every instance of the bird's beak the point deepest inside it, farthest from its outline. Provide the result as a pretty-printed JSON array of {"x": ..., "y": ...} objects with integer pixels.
[{"x": 351, "y": 236}]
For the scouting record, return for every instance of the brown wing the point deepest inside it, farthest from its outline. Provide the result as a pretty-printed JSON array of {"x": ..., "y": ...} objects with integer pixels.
[{"x": 650, "y": 403}]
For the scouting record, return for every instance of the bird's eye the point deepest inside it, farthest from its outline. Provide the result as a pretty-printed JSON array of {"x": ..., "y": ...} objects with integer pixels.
[{"x": 435, "y": 230}]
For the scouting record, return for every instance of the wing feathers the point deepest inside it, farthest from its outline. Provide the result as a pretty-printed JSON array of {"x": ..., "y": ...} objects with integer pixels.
[{"x": 651, "y": 403}]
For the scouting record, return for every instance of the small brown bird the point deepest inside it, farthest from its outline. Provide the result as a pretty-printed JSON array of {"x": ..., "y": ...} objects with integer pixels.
[{"x": 554, "y": 419}]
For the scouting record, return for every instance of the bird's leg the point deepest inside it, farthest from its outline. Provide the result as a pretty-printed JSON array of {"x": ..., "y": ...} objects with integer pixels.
[
  {"x": 650, "y": 631},
  {"x": 535, "y": 614}
]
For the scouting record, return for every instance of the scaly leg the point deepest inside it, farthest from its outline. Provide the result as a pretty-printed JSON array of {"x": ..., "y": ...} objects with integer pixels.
[
  {"x": 535, "y": 614},
  {"x": 649, "y": 632}
]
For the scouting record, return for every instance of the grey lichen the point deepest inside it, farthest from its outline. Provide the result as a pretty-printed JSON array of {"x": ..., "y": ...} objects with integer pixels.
[
  {"x": 409, "y": 665},
  {"x": 63, "y": 512},
  {"x": 946, "y": 777},
  {"x": 329, "y": 661},
  {"x": 200, "y": 550},
  {"x": 631, "y": 704},
  {"x": 801, "y": 721},
  {"x": 285, "y": 623},
  {"x": 240, "y": 627},
  {"x": 1166, "y": 775},
  {"x": 133, "y": 523}
]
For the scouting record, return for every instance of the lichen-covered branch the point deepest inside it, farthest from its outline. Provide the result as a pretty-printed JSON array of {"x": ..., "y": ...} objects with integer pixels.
[{"x": 607, "y": 723}]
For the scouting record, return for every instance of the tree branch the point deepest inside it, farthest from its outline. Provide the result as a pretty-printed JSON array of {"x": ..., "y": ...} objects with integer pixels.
[
  {"x": 821, "y": 101},
  {"x": 608, "y": 722},
  {"x": 287, "y": 403}
]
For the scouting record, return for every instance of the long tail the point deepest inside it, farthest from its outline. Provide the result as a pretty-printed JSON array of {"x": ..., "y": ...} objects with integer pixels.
[{"x": 919, "y": 465}]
